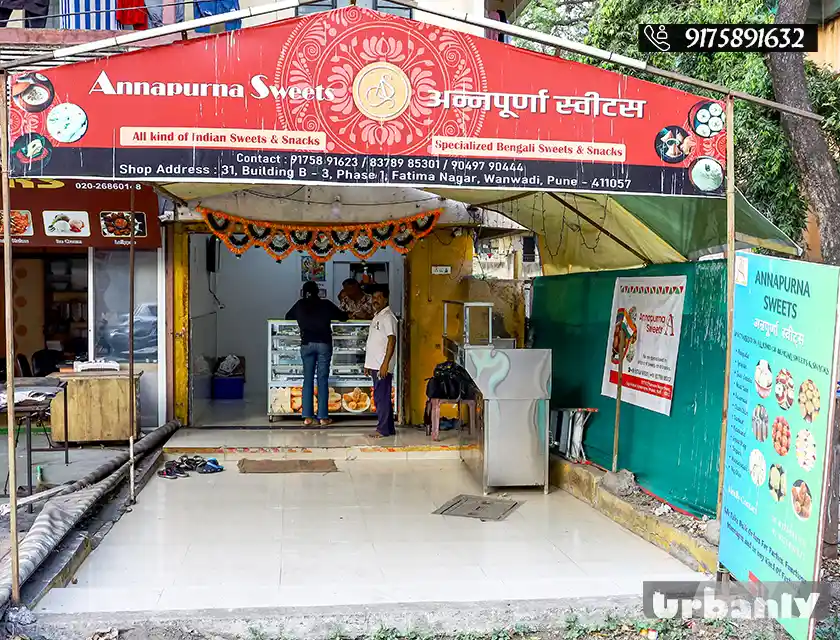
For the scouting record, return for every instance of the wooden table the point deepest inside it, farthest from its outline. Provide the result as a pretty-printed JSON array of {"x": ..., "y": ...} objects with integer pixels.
[{"x": 97, "y": 406}]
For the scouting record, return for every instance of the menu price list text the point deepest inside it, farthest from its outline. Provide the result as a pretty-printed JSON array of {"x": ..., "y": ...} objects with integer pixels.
[{"x": 738, "y": 413}]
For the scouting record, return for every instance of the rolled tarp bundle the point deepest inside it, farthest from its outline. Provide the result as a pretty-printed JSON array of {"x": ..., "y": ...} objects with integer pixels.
[{"x": 62, "y": 512}]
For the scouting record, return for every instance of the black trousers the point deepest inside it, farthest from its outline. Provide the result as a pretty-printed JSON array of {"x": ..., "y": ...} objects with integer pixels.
[
  {"x": 384, "y": 404},
  {"x": 34, "y": 19}
]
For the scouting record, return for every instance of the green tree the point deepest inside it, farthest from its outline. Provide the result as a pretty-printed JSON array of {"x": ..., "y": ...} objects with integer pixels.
[
  {"x": 565, "y": 18},
  {"x": 765, "y": 167}
]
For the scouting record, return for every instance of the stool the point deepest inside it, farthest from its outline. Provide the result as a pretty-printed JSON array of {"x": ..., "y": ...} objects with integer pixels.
[{"x": 434, "y": 410}]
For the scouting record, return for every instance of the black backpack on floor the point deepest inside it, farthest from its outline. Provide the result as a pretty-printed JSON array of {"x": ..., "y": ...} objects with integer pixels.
[{"x": 450, "y": 381}]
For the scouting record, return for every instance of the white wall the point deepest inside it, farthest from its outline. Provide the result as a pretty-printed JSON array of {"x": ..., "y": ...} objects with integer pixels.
[
  {"x": 202, "y": 283},
  {"x": 203, "y": 327},
  {"x": 254, "y": 288}
]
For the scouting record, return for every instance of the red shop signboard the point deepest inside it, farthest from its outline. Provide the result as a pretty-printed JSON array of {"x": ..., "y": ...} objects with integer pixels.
[
  {"x": 79, "y": 213},
  {"x": 352, "y": 96}
]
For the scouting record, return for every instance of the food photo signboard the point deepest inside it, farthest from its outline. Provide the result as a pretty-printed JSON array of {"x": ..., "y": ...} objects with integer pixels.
[
  {"x": 77, "y": 213},
  {"x": 343, "y": 400},
  {"x": 784, "y": 359},
  {"x": 352, "y": 96},
  {"x": 649, "y": 310}
]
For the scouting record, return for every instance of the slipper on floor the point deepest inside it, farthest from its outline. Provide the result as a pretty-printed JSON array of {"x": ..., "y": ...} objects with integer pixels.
[
  {"x": 210, "y": 466},
  {"x": 168, "y": 474},
  {"x": 178, "y": 469},
  {"x": 191, "y": 463}
]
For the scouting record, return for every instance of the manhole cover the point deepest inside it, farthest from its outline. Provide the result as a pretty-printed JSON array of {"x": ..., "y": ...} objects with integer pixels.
[{"x": 477, "y": 507}]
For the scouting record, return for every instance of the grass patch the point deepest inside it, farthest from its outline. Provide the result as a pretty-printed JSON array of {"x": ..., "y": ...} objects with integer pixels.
[{"x": 612, "y": 627}]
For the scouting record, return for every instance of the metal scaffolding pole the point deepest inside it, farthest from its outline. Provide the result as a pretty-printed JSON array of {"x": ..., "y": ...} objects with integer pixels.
[
  {"x": 132, "y": 396},
  {"x": 730, "y": 283},
  {"x": 10, "y": 334}
]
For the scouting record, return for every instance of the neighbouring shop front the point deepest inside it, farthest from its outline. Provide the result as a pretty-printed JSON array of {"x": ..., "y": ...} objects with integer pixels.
[{"x": 71, "y": 275}]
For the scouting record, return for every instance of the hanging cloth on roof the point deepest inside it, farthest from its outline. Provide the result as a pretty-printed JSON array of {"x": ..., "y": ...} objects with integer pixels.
[
  {"x": 132, "y": 13},
  {"x": 204, "y": 8},
  {"x": 35, "y": 12},
  {"x": 89, "y": 15},
  {"x": 492, "y": 34}
]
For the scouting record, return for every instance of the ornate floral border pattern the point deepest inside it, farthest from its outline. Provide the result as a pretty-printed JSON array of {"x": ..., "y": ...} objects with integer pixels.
[
  {"x": 319, "y": 241},
  {"x": 330, "y": 49}
]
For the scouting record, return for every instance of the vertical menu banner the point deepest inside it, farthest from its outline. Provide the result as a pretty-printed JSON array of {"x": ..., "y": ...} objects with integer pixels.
[
  {"x": 781, "y": 406},
  {"x": 649, "y": 311}
]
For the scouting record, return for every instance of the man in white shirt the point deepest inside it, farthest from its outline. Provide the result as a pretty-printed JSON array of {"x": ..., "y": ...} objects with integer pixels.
[{"x": 379, "y": 362}]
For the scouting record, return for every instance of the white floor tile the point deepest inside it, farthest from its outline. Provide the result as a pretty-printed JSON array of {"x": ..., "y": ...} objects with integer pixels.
[
  {"x": 322, "y": 574},
  {"x": 219, "y": 596},
  {"x": 331, "y": 594},
  {"x": 547, "y": 588},
  {"x": 362, "y": 536},
  {"x": 453, "y": 590},
  {"x": 78, "y": 599}
]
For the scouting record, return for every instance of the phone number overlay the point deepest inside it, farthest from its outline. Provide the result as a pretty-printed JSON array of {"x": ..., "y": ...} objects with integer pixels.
[{"x": 713, "y": 38}]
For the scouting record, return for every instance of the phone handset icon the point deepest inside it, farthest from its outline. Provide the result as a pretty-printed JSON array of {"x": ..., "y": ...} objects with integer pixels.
[{"x": 658, "y": 38}]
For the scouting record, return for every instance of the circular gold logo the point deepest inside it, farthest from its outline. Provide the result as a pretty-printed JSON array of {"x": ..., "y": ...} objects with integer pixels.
[{"x": 381, "y": 91}]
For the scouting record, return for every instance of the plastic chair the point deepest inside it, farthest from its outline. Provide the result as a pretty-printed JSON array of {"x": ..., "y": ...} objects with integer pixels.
[
  {"x": 23, "y": 366},
  {"x": 45, "y": 362}
]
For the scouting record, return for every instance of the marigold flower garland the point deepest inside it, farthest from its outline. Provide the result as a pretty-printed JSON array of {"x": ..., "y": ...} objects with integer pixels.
[{"x": 319, "y": 241}]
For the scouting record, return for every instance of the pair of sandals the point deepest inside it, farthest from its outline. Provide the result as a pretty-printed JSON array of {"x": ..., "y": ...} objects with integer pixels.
[
  {"x": 180, "y": 468},
  {"x": 308, "y": 422}
]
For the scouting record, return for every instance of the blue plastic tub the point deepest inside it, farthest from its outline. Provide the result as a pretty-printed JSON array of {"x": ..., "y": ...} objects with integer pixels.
[{"x": 228, "y": 388}]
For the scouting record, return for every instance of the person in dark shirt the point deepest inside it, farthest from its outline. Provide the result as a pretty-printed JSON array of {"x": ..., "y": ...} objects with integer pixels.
[{"x": 314, "y": 316}]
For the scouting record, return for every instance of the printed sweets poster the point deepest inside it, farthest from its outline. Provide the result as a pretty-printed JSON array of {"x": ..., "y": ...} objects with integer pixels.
[
  {"x": 780, "y": 404},
  {"x": 649, "y": 312}
]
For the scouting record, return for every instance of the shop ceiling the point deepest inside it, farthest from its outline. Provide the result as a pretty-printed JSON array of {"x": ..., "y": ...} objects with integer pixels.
[{"x": 578, "y": 232}]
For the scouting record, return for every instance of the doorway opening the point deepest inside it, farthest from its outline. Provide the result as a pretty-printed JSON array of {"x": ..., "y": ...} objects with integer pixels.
[{"x": 238, "y": 306}]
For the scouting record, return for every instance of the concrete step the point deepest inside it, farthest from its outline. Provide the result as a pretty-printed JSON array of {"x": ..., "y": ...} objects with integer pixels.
[{"x": 352, "y": 452}]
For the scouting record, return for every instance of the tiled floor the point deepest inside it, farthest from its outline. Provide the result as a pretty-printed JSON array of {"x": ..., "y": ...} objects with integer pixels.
[
  {"x": 364, "y": 535},
  {"x": 82, "y": 461},
  {"x": 250, "y": 412},
  {"x": 337, "y": 436}
]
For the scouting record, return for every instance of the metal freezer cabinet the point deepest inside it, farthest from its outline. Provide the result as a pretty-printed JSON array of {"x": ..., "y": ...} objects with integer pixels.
[{"x": 511, "y": 438}]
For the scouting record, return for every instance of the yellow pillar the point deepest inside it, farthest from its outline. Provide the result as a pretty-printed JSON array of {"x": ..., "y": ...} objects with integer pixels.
[
  {"x": 425, "y": 306},
  {"x": 181, "y": 346}
]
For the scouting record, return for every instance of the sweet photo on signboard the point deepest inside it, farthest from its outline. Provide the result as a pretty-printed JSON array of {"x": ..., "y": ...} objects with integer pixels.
[
  {"x": 67, "y": 224},
  {"x": 20, "y": 222},
  {"x": 117, "y": 224}
]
